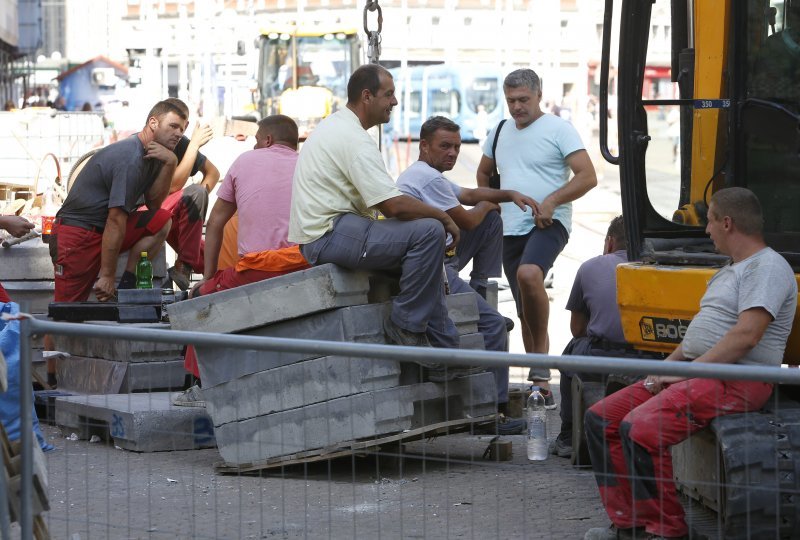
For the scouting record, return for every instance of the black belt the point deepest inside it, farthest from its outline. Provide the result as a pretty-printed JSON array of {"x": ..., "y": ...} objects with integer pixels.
[{"x": 75, "y": 223}]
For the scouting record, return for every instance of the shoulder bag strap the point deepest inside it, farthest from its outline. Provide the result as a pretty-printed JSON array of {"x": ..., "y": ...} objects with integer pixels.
[{"x": 494, "y": 146}]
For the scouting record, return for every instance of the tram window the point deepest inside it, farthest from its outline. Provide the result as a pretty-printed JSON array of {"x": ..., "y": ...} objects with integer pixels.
[
  {"x": 446, "y": 103},
  {"x": 483, "y": 91},
  {"x": 414, "y": 103}
]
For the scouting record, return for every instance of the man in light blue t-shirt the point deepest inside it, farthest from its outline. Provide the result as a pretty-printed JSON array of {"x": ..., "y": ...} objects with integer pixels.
[
  {"x": 535, "y": 155},
  {"x": 480, "y": 226}
]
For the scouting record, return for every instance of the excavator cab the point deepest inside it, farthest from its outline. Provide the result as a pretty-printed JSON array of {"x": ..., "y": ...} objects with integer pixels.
[{"x": 737, "y": 69}]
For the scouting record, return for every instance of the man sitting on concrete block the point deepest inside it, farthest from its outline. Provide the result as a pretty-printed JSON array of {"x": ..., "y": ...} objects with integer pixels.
[
  {"x": 258, "y": 186},
  {"x": 481, "y": 228},
  {"x": 340, "y": 183}
]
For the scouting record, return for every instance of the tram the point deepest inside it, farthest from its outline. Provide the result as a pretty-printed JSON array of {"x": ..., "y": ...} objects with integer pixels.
[{"x": 471, "y": 96}]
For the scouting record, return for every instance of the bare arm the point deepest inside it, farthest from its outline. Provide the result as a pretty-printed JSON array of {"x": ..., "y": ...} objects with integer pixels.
[
  {"x": 735, "y": 344},
  {"x": 200, "y": 136},
  {"x": 17, "y": 226},
  {"x": 584, "y": 179},
  {"x": 407, "y": 208},
  {"x": 578, "y": 323},
  {"x": 113, "y": 235},
  {"x": 469, "y": 219},
  {"x": 210, "y": 175},
  {"x": 160, "y": 188},
  {"x": 485, "y": 169},
  {"x": 471, "y": 197}
]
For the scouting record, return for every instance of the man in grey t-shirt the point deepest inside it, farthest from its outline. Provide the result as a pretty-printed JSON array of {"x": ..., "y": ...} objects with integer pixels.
[{"x": 745, "y": 317}]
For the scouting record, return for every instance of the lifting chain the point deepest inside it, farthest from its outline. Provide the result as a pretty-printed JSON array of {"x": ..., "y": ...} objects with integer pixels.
[{"x": 374, "y": 36}]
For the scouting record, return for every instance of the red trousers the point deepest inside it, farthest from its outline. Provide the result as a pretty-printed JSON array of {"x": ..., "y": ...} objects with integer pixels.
[
  {"x": 188, "y": 208},
  {"x": 629, "y": 435}
]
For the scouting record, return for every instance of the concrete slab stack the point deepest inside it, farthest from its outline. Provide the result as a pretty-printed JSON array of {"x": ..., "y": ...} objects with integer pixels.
[
  {"x": 108, "y": 366},
  {"x": 267, "y": 404}
]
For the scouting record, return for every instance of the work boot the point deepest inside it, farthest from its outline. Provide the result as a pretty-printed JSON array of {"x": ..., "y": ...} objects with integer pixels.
[
  {"x": 614, "y": 533},
  {"x": 400, "y": 336},
  {"x": 560, "y": 448},
  {"x": 549, "y": 400},
  {"x": 191, "y": 397},
  {"x": 180, "y": 275}
]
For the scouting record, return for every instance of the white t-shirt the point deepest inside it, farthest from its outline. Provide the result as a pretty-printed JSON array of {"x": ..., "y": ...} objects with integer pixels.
[
  {"x": 340, "y": 171},
  {"x": 762, "y": 280},
  {"x": 532, "y": 161}
]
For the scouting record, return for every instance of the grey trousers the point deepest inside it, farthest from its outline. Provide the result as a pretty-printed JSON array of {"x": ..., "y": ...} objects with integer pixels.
[
  {"x": 415, "y": 248},
  {"x": 483, "y": 245}
]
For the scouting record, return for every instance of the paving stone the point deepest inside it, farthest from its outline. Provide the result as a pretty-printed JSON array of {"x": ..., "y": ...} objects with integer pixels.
[
  {"x": 120, "y": 350},
  {"x": 463, "y": 310},
  {"x": 471, "y": 341},
  {"x": 145, "y": 422},
  {"x": 277, "y": 299},
  {"x": 354, "y": 324},
  {"x": 358, "y": 416},
  {"x": 298, "y": 385},
  {"x": 99, "y": 376}
]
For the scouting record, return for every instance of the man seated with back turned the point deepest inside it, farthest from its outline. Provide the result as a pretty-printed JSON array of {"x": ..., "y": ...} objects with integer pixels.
[
  {"x": 481, "y": 228},
  {"x": 339, "y": 182},
  {"x": 745, "y": 317},
  {"x": 99, "y": 218},
  {"x": 259, "y": 187},
  {"x": 594, "y": 321}
]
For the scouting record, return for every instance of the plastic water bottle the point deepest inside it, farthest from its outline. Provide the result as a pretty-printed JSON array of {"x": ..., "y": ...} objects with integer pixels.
[
  {"x": 537, "y": 426},
  {"x": 144, "y": 272}
]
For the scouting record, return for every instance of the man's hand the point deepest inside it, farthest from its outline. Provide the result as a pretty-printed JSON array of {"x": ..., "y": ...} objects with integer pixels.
[
  {"x": 455, "y": 233},
  {"x": 195, "y": 288},
  {"x": 544, "y": 217},
  {"x": 201, "y": 135},
  {"x": 153, "y": 150},
  {"x": 656, "y": 383},
  {"x": 17, "y": 226},
  {"x": 104, "y": 289},
  {"x": 523, "y": 201}
]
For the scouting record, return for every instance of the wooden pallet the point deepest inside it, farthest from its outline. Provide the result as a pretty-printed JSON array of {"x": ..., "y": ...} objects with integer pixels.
[
  {"x": 361, "y": 447},
  {"x": 12, "y": 459}
]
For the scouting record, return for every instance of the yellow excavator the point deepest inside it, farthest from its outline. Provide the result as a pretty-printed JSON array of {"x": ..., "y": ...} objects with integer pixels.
[
  {"x": 303, "y": 71},
  {"x": 737, "y": 65}
]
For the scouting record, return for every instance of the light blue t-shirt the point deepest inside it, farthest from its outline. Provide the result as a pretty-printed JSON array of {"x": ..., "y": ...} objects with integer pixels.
[
  {"x": 428, "y": 185},
  {"x": 532, "y": 161}
]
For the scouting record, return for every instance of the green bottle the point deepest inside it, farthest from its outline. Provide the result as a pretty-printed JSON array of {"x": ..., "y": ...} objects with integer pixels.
[{"x": 144, "y": 272}]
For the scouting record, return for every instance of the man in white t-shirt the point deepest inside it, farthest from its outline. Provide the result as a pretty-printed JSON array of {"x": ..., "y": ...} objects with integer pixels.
[
  {"x": 339, "y": 183},
  {"x": 745, "y": 317},
  {"x": 535, "y": 155}
]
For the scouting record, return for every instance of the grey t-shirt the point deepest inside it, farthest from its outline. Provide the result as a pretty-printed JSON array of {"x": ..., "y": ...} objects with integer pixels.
[
  {"x": 594, "y": 293},
  {"x": 426, "y": 184},
  {"x": 115, "y": 177},
  {"x": 762, "y": 280}
]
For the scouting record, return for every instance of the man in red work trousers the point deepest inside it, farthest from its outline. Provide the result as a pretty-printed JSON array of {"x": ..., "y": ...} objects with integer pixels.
[
  {"x": 745, "y": 318},
  {"x": 99, "y": 218}
]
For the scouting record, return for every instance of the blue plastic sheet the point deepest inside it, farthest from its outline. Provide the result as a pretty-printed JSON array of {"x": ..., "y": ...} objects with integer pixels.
[{"x": 9, "y": 401}]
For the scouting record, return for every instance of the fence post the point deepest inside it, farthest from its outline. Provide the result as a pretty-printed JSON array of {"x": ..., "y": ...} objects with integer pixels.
[{"x": 26, "y": 429}]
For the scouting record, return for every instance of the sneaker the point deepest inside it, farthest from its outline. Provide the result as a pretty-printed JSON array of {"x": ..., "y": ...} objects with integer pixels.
[
  {"x": 560, "y": 448},
  {"x": 191, "y": 397},
  {"x": 613, "y": 533},
  {"x": 509, "y": 324},
  {"x": 448, "y": 373},
  {"x": 180, "y": 278},
  {"x": 549, "y": 400}
]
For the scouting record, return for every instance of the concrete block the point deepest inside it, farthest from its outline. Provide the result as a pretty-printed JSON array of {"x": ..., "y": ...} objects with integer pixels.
[
  {"x": 120, "y": 350},
  {"x": 471, "y": 342},
  {"x": 99, "y": 376},
  {"x": 139, "y": 422},
  {"x": 38, "y": 294},
  {"x": 463, "y": 310},
  {"x": 273, "y": 300},
  {"x": 139, "y": 296},
  {"x": 28, "y": 261},
  {"x": 298, "y": 385},
  {"x": 354, "y": 324},
  {"x": 359, "y": 416}
]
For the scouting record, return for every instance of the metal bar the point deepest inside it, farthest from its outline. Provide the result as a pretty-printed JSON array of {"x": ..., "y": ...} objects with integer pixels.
[
  {"x": 26, "y": 430},
  {"x": 772, "y": 374}
]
